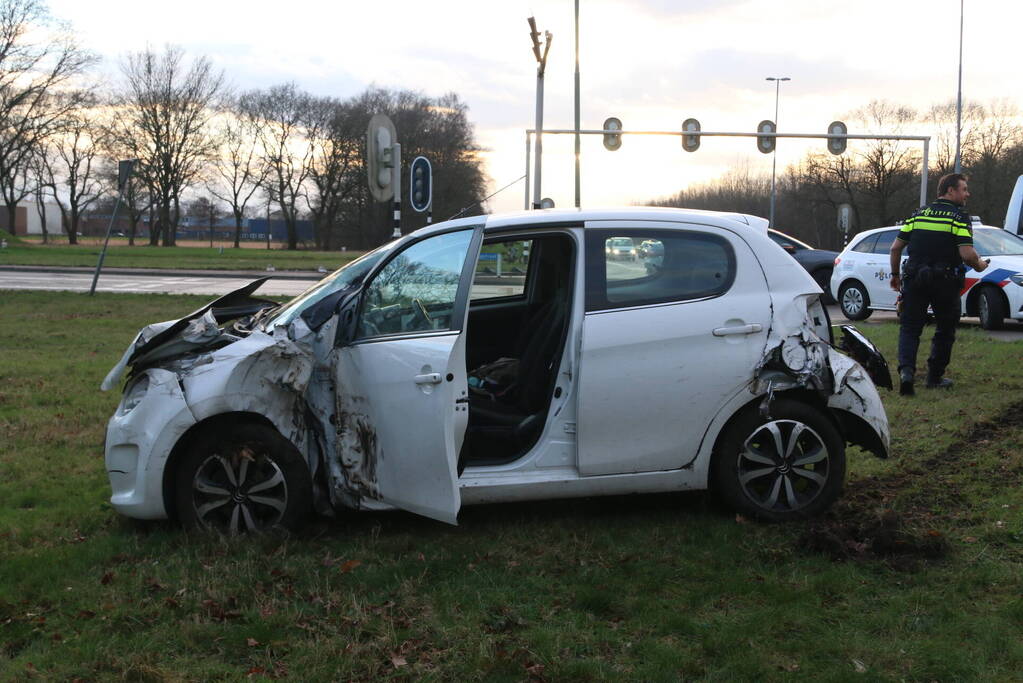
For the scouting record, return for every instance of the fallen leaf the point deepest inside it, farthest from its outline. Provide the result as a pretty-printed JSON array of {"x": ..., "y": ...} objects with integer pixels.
[
  {"x": 349, "y": 566},
  {"x": 859, "y": 666},
  {"x": 741, "y": 520},
  {"x": 252, "y": 642},
  {"x": 398, "y": 661},
  {"x": 106, "y": 578},
  {"x": 969, "y": 539}
]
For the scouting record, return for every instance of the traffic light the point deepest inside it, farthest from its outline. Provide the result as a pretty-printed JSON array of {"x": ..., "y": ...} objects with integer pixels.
[
  {"x": 837, "y": 145},
  {"x": 611, "y": 141},
  {"x": 380, "y": 139},
  {"x": 764, "y": 143},
  {"x": 690, "y": 143},
  {"x": 420, "y": 184}
]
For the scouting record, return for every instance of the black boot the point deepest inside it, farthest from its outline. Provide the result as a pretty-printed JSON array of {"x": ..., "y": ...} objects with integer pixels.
[
  {"x": 906, "y": 382},
  {"x": 938, "y": 382}
]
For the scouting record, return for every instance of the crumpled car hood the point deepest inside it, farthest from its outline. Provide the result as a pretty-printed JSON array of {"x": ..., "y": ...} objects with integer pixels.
[{"x": 198, "y": 329}]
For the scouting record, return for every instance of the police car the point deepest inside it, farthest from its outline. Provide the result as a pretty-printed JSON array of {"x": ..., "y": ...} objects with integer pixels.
[{"x": 860, "y": 281}]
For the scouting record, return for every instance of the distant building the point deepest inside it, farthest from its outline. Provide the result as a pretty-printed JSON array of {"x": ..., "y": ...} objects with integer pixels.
[{"x": 27, "y": 221}]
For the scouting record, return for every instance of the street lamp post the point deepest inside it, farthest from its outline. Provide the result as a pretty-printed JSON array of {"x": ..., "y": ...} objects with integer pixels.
[
  {"x": 774, "y": 155},
  {"x": 959, "y": 93}
]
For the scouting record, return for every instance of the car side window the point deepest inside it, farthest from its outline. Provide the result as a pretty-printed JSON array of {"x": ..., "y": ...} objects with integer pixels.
[
  {"x": 416, "y": 290},
  {"x": 501, "y": 270},
  {"x": 637, "y": 268},
  {"x": 884, "y": 241},
  {"x": 866, "y": 245}
]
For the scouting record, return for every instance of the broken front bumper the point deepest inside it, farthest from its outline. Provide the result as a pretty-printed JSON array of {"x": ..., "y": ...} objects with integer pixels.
[{"x": 138, "y": 443}]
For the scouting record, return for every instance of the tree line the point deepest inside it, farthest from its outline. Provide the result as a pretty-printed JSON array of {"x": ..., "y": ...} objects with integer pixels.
[
  {"x": 203, "y": 149},
  {"x": 880, "y": 180}
]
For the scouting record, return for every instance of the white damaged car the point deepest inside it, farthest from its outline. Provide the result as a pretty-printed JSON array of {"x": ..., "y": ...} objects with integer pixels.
[{"x": 503, "y": 358}]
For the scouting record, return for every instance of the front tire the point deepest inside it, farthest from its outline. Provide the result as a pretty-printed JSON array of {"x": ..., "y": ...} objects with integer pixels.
[
  {"x": 246, "y": 478},
  {"x": 789, "y": 466},
  {"x": 991, "y": 309},
  {"x": 854, "y": 301}
]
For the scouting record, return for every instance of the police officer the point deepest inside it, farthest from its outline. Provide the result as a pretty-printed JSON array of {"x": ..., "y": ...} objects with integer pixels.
[{"x": 942, "y": 241}]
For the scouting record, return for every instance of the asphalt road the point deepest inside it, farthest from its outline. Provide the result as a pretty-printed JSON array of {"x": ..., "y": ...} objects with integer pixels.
[{"x": 291, "y": 284}]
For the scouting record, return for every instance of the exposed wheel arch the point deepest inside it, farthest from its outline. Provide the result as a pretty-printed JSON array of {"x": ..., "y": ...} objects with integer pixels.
[
  {"x": 194, "y": 433},
  {"x": 789, "y": 465}
]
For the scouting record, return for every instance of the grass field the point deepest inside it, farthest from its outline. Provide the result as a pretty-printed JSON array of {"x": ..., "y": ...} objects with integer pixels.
[
  {"x": 914, "y": 575},
  {"x": 186, "y": 256}
]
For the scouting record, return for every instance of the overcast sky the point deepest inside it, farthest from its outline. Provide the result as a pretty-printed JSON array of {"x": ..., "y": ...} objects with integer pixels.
[{"x": 651, "y": 63}]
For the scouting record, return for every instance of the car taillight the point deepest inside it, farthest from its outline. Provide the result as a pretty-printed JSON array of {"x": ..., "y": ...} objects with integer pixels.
[{"x": 837, "y": 260}]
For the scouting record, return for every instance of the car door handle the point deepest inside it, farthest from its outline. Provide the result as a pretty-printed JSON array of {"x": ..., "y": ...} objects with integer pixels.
[
  {"x": 738, "y": 329},
  {"x": 429, "y": 378}
]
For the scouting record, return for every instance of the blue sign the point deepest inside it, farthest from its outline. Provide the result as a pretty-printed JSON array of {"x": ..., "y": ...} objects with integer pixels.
[{"x": 488, "y": 257}]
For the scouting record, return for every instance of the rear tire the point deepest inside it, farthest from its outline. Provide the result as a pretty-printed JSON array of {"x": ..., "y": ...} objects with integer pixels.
[
  {"x": 246, "y": 478},
  {"x": 789, "y": 466},
  {"x": 823, "y": 278},
  {"x": 854, "y": 301},
  {"x": 991, "y": 309}
]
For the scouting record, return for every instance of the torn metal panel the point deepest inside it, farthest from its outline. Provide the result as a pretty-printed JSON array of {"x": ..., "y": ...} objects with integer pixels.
[{"x": 856, "y": 394}]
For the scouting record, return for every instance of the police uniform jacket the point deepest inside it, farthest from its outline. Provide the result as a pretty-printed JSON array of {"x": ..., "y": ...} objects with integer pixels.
[{"x": 935, "y": 234}]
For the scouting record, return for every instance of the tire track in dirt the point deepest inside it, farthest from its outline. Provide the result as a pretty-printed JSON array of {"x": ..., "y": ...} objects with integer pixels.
[{"x": 865, "y": 525}]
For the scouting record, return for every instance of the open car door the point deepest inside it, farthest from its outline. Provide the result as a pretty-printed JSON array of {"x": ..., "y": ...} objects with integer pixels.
[{"x": 402, "y": 389}]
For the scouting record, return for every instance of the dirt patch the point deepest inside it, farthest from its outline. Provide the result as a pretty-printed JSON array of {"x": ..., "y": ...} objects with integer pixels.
[{"x": 863, "y": 525}]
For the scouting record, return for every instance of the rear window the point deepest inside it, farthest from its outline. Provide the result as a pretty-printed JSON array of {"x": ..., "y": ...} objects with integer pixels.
[
  {"x": 671, "y": 266},
  {"x": 866, "y": 245},
  {"x": 884, "y": 241}
]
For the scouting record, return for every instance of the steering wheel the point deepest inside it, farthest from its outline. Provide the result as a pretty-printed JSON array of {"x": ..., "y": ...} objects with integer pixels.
[{"x": 420, "y": 310}]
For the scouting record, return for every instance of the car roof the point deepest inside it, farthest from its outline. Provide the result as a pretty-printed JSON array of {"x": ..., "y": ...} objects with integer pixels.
[
  {"x": 578, "y": 217},
  {"x": 873, "y": 231}
]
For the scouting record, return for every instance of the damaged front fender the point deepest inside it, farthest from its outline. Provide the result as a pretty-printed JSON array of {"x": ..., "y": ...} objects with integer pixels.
[{"x": 797, "y": 357}]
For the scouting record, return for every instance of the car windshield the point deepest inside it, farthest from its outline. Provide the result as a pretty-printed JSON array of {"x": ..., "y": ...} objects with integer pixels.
[
  {"x": 344, "y": 277},
  {"x": 621, "y": 242},
  {"x": 997, "y": 242}
]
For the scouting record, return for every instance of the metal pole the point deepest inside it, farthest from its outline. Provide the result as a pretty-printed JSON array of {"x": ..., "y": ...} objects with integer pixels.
[
  {"x": 103, "y": 252},
  {"x": 396, "y": 175},
  {"x": 959, "y": 95},
  {"x": 578, "y": 191},
  {"x": 774, "y": 154},
  {"x": 529, "y": 148},
  {"x": 539, "y": 137},
  {"x": 268, "y": 200},
  {"x": 923, "y": 175}
]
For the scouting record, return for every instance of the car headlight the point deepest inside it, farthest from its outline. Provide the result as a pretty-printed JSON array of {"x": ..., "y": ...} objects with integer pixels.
[
  {"x": 1017, "y": 278},
  {"x": 134, "y": 394}
]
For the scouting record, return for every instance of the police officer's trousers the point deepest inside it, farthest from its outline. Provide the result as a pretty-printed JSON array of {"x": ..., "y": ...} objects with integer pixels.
[{"x": 941, "y": 293}]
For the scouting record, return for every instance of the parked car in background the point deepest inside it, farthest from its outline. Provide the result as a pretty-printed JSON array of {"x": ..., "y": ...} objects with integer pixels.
[
  {"x": 621, "y": 249},
  {"x": 408, "y": 379},
  {"x": 818, "y": 262},
  {"x": 860, "y": 282}
]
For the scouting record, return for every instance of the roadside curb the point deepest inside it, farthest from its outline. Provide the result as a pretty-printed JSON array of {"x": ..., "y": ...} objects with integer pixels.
[{"x": 163, "y": 272}]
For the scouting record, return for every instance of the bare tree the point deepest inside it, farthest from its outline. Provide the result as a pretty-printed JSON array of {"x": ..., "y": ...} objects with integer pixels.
[
  {"x": 71, "y": 161},
  {"x": 889, "y": 166},
  {"x": 286, "y": 134},
  {"x": 238, "y": 168},
  {"x": 163, "y": 113},
  {"x": 38, "y": 58},
  {"x": 337, "y": 153}
]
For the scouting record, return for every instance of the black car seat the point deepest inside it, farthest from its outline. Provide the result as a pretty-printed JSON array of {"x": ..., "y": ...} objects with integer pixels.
[{"x": 519, "y": 413}]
